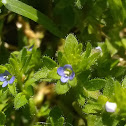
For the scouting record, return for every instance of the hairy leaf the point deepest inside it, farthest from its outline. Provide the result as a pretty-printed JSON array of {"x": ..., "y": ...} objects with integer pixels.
[{"x": 20, "y": 100}]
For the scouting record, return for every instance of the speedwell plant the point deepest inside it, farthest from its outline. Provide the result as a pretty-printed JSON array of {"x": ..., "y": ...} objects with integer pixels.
[{"x": 96, "y": 100}]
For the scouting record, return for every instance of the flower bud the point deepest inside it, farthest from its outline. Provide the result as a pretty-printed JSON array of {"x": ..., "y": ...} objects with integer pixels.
[{"x": 110, "y": 107}]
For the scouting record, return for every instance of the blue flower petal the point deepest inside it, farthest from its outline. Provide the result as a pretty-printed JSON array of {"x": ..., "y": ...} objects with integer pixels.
[
  {"x": 67, "y": 66},
  {"x": 60, "y": 71},
  {"x": 12, "y": 80},
  {"x": 5, "y": 84},
  {"x": 1, "y": 75},
  {"x": 64, "y": 79},
  {"x": 30, "y": 48},
  {"x": 2, "y": 78},
  {"x": 6, "y": 73},
  {"x": 72, "y": 76}
]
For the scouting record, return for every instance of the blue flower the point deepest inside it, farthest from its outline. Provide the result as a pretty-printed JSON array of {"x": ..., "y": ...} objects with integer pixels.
[
  {"x": 66, "y": 73},
  {"x": 98, "y": 48},
  {"x": 30, "y": 48},
  {"x": 5, "y": 78}
]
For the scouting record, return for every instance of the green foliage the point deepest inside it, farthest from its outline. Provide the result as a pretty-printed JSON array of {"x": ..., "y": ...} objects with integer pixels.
[
  {"x": 62, "y": 81},
  {"x": 53, "y": 74},
  {"x": 12, "y": 89},
  {"x": 49, "y": 63},
  {"x": 61, "y": 88},
  {"x": 80, "y": 61},
  {"x": 91, "y": 108},
  {"x": 32, "y": 107},
  {"x": 44, "y": 111},
  {"x": 55, "y": 117},
  {"x": 31, "y": 13},
  {"x": 2, "y": 118},
  {"x": 20, "y": 100},
  {"x": 109, "y": 88},
  {"x": 89, "y": 95},
  {"x": 95, "y": 84}
]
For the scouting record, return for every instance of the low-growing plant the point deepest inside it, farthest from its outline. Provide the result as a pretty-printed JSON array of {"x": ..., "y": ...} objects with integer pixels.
[
  {"x": 72, "y": 78},
  {"x": 66, "y": 82}
]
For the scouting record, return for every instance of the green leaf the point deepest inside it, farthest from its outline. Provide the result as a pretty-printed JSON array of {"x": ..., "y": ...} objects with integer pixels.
[
  {"x": 9, "y": 67},
  {"x": 20, "y": 100},
  {"x": 24, "y": 58},
  {"x": 92, "y": 59},
  {"x": 93, "y": 94},
  {"x": 73, "y": 82},
  {"x": 119, "y": 93},
  {"x": 41, "y": 74},
  {"x": 72, "y": 52},
  {"x": 62, "y": 59},
  {"x": 93, "y": 120},
  {"x": 61, "y": 88},
  {"x": 82, "y": 66},
  {"x": 79, "y": 48},
  {"x": 59, "y": 56},
  {"x": 33, "y": 14},
  {"x": 78, "y": 4},
  {"x": 29, "y": 82},
  {"x": 48, "y": 62},
  {"x": 109, "y": 120},
  {"x": 53, "y": 74},
  {"x": 56, "y": 113},
  {"x": 2, "y": 118},
  {"x": 3, "y": 95},
  {"x": 95, "y": 84},
  {"x": 118, "y": 71},
  {"x": 29, "y": 91},
  {"x": 70, "y": 45},
  {"x": 23, "y": 54},
  {"x": 55, "y": 117},
  {"x": 87, "y": 60},
  {"x": 102, "y": 99},
  {"x": 81, "y": 99},
  {"x": 2, "y": 69},
  {"x": 91, "y": 108},
  {"x": 26, "y": 62},
  {"x": 110, "y": 47},
  {"x": 124, "y": 82},
  {"x": 14, "y": 65},
  {"x": 32, "y": 107},
  {"x": 12, "y": 89},
  {"x": 109, "y": 88},
  {"x": 88, "y": 50},
  {"x": 44, "y": 110},
  {"x": 117, "y": 10},
  {"x": 60, "y": 121}
]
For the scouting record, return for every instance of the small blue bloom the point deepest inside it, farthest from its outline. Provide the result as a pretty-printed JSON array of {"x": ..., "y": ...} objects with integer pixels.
[
  {"x": 98, "y": 48},
  {"x": 30, "y": 48},
  {"x": 4, "y": 77},
  {"x": 66, "y": 73}
]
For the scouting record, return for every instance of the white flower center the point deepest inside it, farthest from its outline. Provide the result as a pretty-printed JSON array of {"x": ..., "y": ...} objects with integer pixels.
[
  {"x": 67, "y": 73},
  {"x": 6, "y": 77}
]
